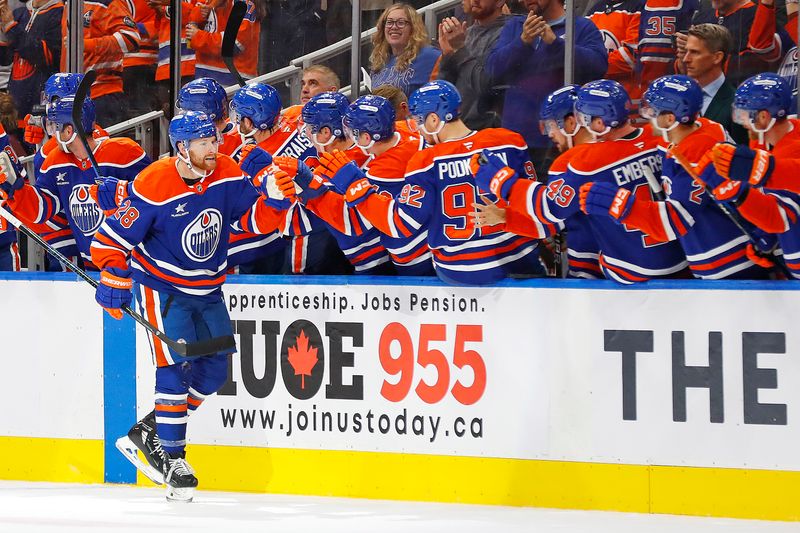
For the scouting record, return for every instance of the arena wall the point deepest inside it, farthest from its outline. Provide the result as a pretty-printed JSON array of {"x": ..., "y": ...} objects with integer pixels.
[{"x": 679, "y": 398}]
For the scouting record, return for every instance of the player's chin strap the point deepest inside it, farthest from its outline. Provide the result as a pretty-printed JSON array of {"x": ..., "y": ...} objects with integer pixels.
[
  {"x": 586, "y": 122},
  {"x": 322, "y": 144},
  {"x": 188, "y": 163},
  {"x": 664, "y": 131},
  {"x": 365, "y": 149},
  {"x": 249, "y": 135},
  {"x": 434, "y": 134},
  {"x": 570, "y": 136},
  {"x": 65, "y": 144},
  {"x": 761, "y": 132},
  {"x": 596, "y": 135}
]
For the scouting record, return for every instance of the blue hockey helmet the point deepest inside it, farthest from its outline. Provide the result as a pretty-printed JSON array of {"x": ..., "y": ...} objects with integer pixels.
[
  {"x": 204, "y": 95},
  {"x": 325, "y": 110},
  {"x": 370, "y": 114},
  {"x": 59, "y": 114},
  {"x": 259, "y": 102},
  {"x": 59, "y": 85},
  {"x": 676, "y": 94},
  {"x": 557, "y": 106},
  {"x": 438, "y": 97},
  {"x": 763, "y": 92},
  {"x": 605, "y": 99},
  {"x": 190, "y": 125}
]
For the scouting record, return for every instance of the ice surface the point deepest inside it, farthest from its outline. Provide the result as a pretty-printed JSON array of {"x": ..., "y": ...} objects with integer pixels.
[{"x": 69, "y": 508}]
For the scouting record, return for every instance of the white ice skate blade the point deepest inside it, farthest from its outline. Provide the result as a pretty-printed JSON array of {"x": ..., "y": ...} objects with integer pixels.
[
  {"x": 182, "y": 495},
  {"x": 129, "y": 450}
]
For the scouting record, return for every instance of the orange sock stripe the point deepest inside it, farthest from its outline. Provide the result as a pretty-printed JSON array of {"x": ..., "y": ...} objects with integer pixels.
[{"x": 150, "y": 314}]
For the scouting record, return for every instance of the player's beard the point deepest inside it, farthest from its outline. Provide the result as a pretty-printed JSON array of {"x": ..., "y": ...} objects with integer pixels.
[{"x": 205, "y": 164}]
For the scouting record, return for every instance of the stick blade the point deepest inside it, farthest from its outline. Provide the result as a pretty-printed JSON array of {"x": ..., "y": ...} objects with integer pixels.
[{"x": 210, "y": 346}]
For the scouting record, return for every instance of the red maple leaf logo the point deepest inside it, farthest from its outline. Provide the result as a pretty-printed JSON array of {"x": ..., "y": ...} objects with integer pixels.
[{"x": 302, "y": 358}]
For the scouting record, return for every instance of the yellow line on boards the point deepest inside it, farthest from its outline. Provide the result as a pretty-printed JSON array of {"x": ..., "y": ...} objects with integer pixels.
[
  {"x": 735, "y": 493},
  {"x": 47, "y": 459}
]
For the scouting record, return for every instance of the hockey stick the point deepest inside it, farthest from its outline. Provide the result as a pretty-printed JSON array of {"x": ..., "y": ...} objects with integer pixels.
[
  {"x": 235, "y": 18},
  {"x": 77, "y": 115},
  {"x": 733, "y": 215},
  {"x": 655, "y": 185},
  {"x": 194, "y": 349}
]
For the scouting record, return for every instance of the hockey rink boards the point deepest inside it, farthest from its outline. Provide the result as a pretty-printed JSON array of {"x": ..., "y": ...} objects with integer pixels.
[{"x": 549, "y": 393}]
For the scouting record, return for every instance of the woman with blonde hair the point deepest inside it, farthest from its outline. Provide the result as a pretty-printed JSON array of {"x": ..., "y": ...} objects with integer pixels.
[{"x": 401, "y": 53}]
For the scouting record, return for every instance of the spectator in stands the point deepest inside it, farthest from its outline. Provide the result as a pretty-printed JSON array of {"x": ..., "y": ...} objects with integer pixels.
[
  {"x": 139, "y": 67},
  {"x": 707, "y": 50},
  {"x": 401, "y": 55},
  {"x": 618, "y": 22},
  {"x": 164, "y": 48},
  {"x": 529, "y": 56},
  {"x": 763, "y": 33},
  {"x": 33, "y": 48},
  {"x": 108, "y": 34},
  {"x": 464, "y": 53},
  {"x": 205, "y": 38},
  {"x": 9, "y": 120}
]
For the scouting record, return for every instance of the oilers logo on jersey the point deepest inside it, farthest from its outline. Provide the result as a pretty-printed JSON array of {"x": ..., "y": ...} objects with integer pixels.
[
  {"x": 201, "y": 237},
  {"x": 86, "y": 215}
]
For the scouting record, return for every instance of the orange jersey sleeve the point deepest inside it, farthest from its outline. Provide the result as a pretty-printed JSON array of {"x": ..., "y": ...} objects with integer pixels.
[
  {"x": 207, "y": 42},
  {"x": 145, "y": 18},
  {"x": 109, "y": 35}
]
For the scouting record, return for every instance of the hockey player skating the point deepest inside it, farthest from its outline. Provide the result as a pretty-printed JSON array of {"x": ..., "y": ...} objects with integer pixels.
[
  {"x": 715, "y": 246},
  {"x": 173, "y": 227}
]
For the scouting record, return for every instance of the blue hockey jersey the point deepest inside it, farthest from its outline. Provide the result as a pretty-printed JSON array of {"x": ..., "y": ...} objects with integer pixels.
[
  {"x": 627, "y": 255},
  {"x": 438, "y": 194},
  {"x": 177, "y": 234},
  {"x": 63, "y": 186}
]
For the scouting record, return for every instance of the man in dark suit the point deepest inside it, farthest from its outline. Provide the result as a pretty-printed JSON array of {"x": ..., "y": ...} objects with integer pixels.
[{"x": 707, "y": 49}]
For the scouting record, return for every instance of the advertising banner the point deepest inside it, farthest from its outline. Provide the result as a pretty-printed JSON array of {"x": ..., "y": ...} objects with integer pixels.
[{"x": 668, "y": 377}]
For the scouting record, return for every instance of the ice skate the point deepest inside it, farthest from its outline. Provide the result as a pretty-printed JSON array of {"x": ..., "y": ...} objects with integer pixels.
[
  {"x": 142, "y": 437},
  {"x": 179, "y": 477}
]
